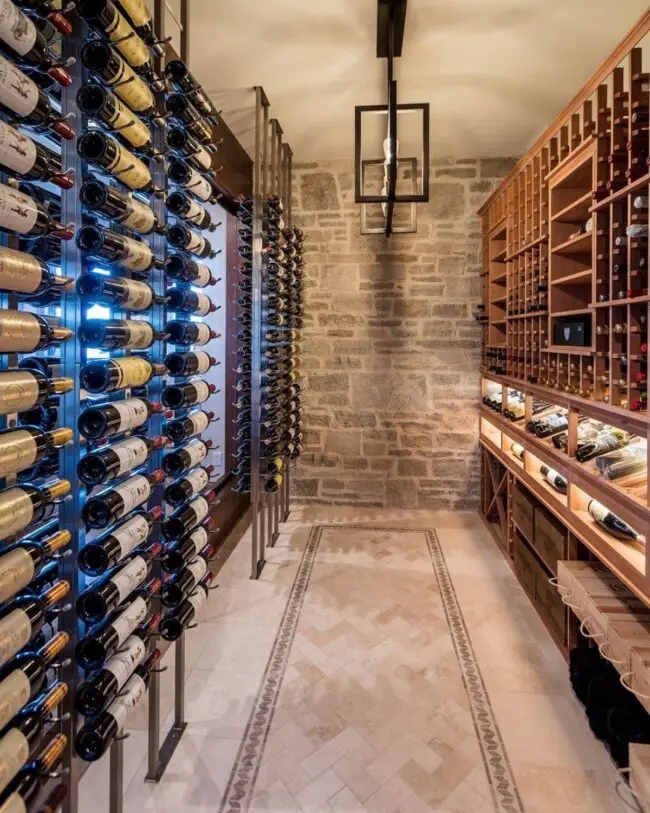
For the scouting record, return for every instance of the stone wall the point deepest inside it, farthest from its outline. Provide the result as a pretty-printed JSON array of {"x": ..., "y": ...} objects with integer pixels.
[{"x": 390, "y": 348}]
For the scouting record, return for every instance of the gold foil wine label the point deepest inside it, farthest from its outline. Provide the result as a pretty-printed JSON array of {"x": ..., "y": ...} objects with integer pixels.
[
  {"x": 139, "y": 296},
  {"x": 129, "y": 169},
  {"x": 19, "y": 272},
  {"x": 131, "y": 46},
  {"x": 16, "y": 572},
  {"x": 138, "y": 255},
  {"x": 141, "y": 217},
  {"x": 16, "y": 511},
  {"x": 140, "y": 335},
  {"x": 14, "y": 804},
  {"x": 15, "y": 691},
  {"x": 134, "y": 130},
  {"x": 132, "y": 90},
  {"x": 15, "y": 632},
  {"x": 14, "y": 753},
  {"x": 18, "y": 451},
  {"x": 133, "y": 371},
  {"x": 18, "y": 391}
]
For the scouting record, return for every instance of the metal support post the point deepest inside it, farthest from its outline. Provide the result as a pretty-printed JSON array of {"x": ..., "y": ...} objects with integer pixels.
[{"x": 116, "y": 776}]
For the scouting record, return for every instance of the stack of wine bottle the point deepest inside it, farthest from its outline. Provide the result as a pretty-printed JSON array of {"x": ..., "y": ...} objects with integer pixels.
[{"x": 243, "y": 354}]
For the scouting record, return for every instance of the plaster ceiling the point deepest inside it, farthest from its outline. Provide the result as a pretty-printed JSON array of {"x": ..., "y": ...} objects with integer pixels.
[{"x": 496, "y": 72}]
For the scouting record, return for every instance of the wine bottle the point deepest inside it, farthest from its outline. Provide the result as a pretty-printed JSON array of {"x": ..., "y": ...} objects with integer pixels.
[
  {"x": 95, "y": 100},
  {"x": 558, "y": 482},
  {"x": 184, "y": 143},
  {"x": 101, "y": 60},
  {"x": 21, "y": 448},
  {"x": 180, "y": 460},
  {"x": 22, "y": 390},
  {"x": 113, "y": 334},
  {"x": 28, "y": 159},
  {"x": 23, "y": 38},
  {"x": 188, "y": 333},
  {"x": 28, "y": 277},
  {"x": 19, "y": 562},
  {"x": 177, "y": 73},
  {"x": 179, "y": 236},
  {"x": 22, "y": 505},
  {"x": 623, "y": 463},
  {"x": 24, "y": 789},
  {"x": 189, "y": 486},
  {"x": 606, "y": 441},
  {"x": 192, "y": 363},
  {"x": 179, "y": 586},
  {"x": 109, "y": 375},
  {"x": 107, "y": 464},
  {"x": 26, "y": 732},
  {"x": 612, "y": 524},
  {"x": 116, "y": 417},
  {"x": 181, "y": 204},
  {"x": 105, "y": 594},
  {"x": 130, "y": 294},
  {"x": 97, "y": 556},
  {"x": 179, "y": 555},
  {"x": 184, "y": 269},
  {"x": 177, "y": 620},
  {"x": 183, "y": 396},
  {"x": 21, "y": 620},
  {"x": 184, "y": 428},
  {"x": 104, "y": 640},
  {"x": 179, "y": 107},
  {"x": 96, "y": 736},
  {"x": 22, "y": 214},
  {"x": 135, "y": 255},
  {"x": 185, "y": 518},
  {"x": 54, "y": 799},
  {"x": 100, "y": 149},
  {"x": 22, "y": 97},
  {"x": 181, "y": 300},
  {"x": 182, "y": 174},
  {"x": 142, "y": 22},
  {"x": 111, "y": 505},
  {"x": 124, "y": 208},
  {"x": 47, "y": 10},
  {"x": 24, "y": 677}
]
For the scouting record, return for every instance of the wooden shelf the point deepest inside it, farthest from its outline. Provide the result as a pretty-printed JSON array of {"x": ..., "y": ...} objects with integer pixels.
[
  {"x": 576, "y": 312},
  {"x": 634, "y": 186},
  {"x": 578, "y": 278},
  {"x": 581, "y": 244},
  {"x": 575, "y": 212}
]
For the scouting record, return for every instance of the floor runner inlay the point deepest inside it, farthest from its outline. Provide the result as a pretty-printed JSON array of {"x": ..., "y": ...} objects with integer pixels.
[{"x": 498, "y": 773}]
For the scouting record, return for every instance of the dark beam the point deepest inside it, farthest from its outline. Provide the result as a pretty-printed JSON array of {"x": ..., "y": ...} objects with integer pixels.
[{"x": 386, "y": 8}]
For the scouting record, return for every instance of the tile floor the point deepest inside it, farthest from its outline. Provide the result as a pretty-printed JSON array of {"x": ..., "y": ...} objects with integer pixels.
[{"x": 370, "y": 709}]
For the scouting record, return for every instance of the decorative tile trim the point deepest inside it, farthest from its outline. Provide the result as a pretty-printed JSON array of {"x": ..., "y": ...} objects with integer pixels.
[{"x": 243, "y": 776}]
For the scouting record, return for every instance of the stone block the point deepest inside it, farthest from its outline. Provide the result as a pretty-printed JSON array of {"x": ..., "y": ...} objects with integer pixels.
[
  {"x": 327, "y": 382},
  {"x": 412, "y": 467},
  {"x": 343, "y": 441},
  {"x": 412, "y": 308},
  {"x": 374, "y": 449},
  {"x": 352, "y": 420},
  {"x": 355, "y": 463},
  {"x": 449, "y": 311},
  {"x": 456, "y": 172},
  {"x": 318, "y": 192},
  {"x": 382, "y": 464},
  {"x": 304, "y": 488},
  {"x": 447, "y": 201},
  {"x": 339, "y": 277},
  {"x": 401, "y": 493},
  {"x": 496, "y": 167},
  {"x": 391, "y": 392}
]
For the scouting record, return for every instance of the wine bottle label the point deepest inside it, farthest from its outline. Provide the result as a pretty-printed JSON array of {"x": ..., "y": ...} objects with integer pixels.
[
  {"x": 130, "y": 577},
  {"x": 18, "y": 451},
  {"x": 132, "y": 90},
  {"x": 198, "y": 599},
  {"x": 131, "y": 453},
  {"x": 16, "y": 511},
  {"x": 15, "y": 632},
  {"x": 203, "y": 157},
  {"x": 17, "y": 152},
  {"x": 202, "y": 391},
  {"x": 132, "y": 617},
  {"x": 196, "y": 212},
  {"x": 129, "y": 169},
  {"x": 198, "y": 185},
  {"x": 136, "y": 133},
  {"x": 18, "y": 390},
  {"x": 199, "y": 538},
  {"x": 131, "y": 535},
  {"x": 551, "y": 476},
  {"x": 134, "y": 492},
  {"x": 141, "y": 218},
  {"x": 139, "y": 295},
  {"x": 17, "y": 91},
  {"x": 198, "y": 480},
  {"x": 197, "y": 451},
  {"x": 18, "y": 212},
  {"x": 203, "y": 309},
  {"x": 196, "y": 243},
  {"x": 200, "y": 422},
  {"x": 198, "y": 568},
  {"x": 598, "y": 511},
  {"x": 204, "y": 276},
  {"x": 14, "y": 753},
  {"x": 133, "y": 693},
  {"x": 14, "y": 804},
  {"x": 19, "y": 332},
  {"x": 203, "y": 335},
  {"x": 138, "y": 255},
  {"x": 137, "y": 11},
  {"x": 133, "y": 371},
  {"x": 200, "y": 506},
  {"x": 131, "y": 46},
  {"x": 16, "y": 572},
  {"x": 132, "y": 411},
  {"x": 19, "y": 272},
  {"x": 140, "y": 334},
  {"x": 17, "y": 30},
  {"x": 15, "y": 691},
  {"x": 121, "y": 666}
]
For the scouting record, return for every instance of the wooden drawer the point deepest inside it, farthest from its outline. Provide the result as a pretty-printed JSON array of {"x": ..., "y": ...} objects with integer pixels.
[
  {"x": 525, "y": 565},
  {"x": 625, "y": 636},
  {"x": 553, "y": 607},
  {"x": 550, "y": 538},
  {"x": 639, "y": 680},
  {"x": 640, "y": 772},
  {"x": 523, "y": 512}
]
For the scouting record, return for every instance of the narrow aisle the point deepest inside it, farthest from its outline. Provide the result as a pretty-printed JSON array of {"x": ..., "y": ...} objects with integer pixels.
[{"x": 387, "y": 661}]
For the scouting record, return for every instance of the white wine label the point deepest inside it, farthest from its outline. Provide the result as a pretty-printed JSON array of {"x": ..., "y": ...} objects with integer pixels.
[
  {"x": 199, "y": 186},
  {"x": 551, "y": 474},
  {"x": 14, "y": 753},
  {"x": 17, "y": 152},
  {"x": 17, "y": 30},
  {"x": 598, "y": 511},
  {"x": 15, "y": 691},
  {"x": 196, "y": 243},
  {"x": 199, "y": 539},
  {"x": 129, "y": 169},
  {"x": 15, "y": 632},
  {"x": 133, "y": 693},
  {"x": 16, "y": 572},
  {"x": 139, "y": 295},
  {"x": 14, "y": 804},
  {"x": 141, "y": 218},
  {"x": 19, "y": 272},
  {"x": 200, "y": 421},
  {"x": 136, "y": 133},
  {"x": 131, "y": 453},
  {"x": 134, "y": 492},
  {"x": 121, "y": 666},
  {"x": 18, "y": 390},
  {"x": 132, "y": 411},
  {"x": 130, "y": 577},
  {"x": 203, "y": 335},
  {"x": 198, "y": 480},
  {"x": 133, "y": 371},
  {"x": 137, "y": 11},
  {"x": 198, "y": 599},
  {"x": 203, "y": 157},
  {"x": 127, "y": 42},
  {"x": 203, "y": 309},
  {"x": 131, "y": 535},
  {"x": 18, "y": 212},
  {"x": 200, "y": 506},
  {"x": 197, "y": 451},
  {"x": 202, "y": 391},
  {"x": 140, "y": 334},
  {"x": 198, "y": 568},
  {"x": 196, "y": 212},
  {"x": 17, "y": 91},
  {"x": 132, "y": 617},
  {"x": 138, "y": 255},
  {"x": 132, "y": 90},
  {"x": 18, "y": 451},
  {"x": 204, "y": 276},
  {"x": 16, "y": 512}
]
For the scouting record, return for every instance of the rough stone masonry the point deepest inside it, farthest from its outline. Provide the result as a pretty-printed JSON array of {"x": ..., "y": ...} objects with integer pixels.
[{"x": 391, "y": 350}]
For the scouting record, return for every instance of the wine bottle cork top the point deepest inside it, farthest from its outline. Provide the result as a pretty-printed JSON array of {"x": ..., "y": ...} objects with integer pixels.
[
  {"x": 56, "y": 695},
  {"x": 62, "y": 385},
  {"x": 53, "y": 752},
  {"x": 61, "y": 437}
]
